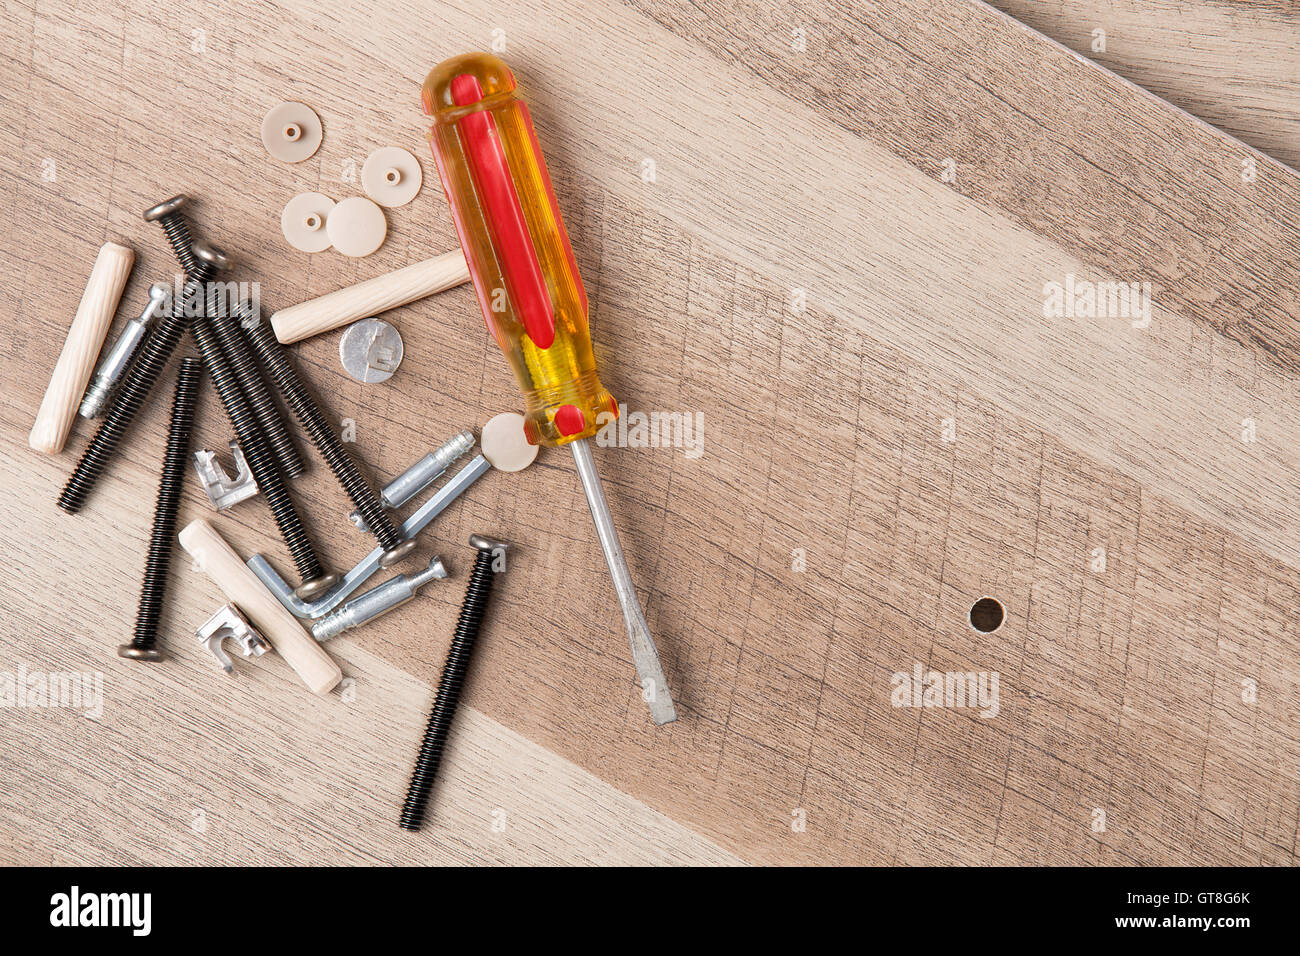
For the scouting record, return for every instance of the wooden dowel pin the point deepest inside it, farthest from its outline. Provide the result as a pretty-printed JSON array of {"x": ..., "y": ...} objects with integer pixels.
[
  {"x": 280, "y": 628},
  {"x": 371, "y": 297},
  {"x": 81, "y": 348}
]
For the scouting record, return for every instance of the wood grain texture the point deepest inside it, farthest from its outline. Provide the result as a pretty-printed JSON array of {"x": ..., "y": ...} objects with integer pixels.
[
  {"x": 797, "y": 271},
  {"x": 1233, "y": 64},
  {"x": 186, "y": 765}
]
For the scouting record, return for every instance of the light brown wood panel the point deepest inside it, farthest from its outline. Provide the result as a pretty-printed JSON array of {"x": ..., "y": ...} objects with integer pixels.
[
  {"x": 1229, "y": 63},
  {"x": 892, "y": 429}
]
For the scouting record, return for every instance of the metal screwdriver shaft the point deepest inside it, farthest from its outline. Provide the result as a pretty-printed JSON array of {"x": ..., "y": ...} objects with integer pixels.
[{"x": 654, "y": 686}]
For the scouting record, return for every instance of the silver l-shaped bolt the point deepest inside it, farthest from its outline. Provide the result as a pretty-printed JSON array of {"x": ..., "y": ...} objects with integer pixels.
[
  {"x": 378, "y": 601},
  {"x": 418, "y": 521}
]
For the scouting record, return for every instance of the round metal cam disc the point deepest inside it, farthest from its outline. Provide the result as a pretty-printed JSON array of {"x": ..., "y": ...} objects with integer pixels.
[
  {"x": 303, "y": 221},
  {"x": 357, "y": 227},
  {"x": 291, "y": 132},
  {"x": 504, "y": 444},
  {"x": 370, "y": 350},
  {"x": 391, "y": 176}
]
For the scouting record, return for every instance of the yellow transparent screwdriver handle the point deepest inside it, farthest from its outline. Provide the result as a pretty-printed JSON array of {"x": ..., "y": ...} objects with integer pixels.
[{"x": 515, "y": 244}]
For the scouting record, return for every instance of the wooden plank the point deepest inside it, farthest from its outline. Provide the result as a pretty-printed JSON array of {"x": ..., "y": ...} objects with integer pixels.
[
  {"x": 892, "y": 429},
  {"x": 1231, "y": 64},
  {"x": 179, "y": 764}
]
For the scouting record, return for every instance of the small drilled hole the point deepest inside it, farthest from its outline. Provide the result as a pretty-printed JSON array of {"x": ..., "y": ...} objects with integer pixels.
[
  {"x": 292, "y": 131},
  {"x": 986, "y": 614},
  {"x": 393, "y": 177},
  {"x": 313, "y": 222}
]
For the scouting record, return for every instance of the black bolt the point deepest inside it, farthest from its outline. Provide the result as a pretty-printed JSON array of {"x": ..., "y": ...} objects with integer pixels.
[
  {"x": 168, "y": 215},
  {"x": 315, "y": 581},
  {"x": 453, "y": 679},
  {"x": 235, "y": 346},
  {"x": 276, "y": 362},
  {"x": 201, "y": 263},
  {"x": 144, "y": 645},
  {"x": 143, "y": 372}
]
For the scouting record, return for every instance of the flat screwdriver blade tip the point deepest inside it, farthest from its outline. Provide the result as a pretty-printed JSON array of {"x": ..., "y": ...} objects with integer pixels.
[{"x": 644, "y": 654}]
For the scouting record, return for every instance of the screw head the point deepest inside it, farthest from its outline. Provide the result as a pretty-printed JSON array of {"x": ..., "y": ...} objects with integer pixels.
[
  {"x": 133, "y": 653},
  {"x": 486, "y": 544},
  {"x": 316, "y": 587},
  {"x": 165, "y": 209},
  {"x": 212, "y": 256},
  {"x": 393, "y": 555}
]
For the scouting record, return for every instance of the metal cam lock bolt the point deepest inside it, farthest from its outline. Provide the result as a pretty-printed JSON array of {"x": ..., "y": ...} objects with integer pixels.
[
  {"x": 377, "y": 601},
  {"x": 115, "y": 363},
  {"x": 419, "y": 476}
]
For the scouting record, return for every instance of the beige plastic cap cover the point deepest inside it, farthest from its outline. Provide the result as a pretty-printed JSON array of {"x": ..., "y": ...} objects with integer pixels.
[
  {"x": 357, "y": 227},
  {"x": 391, "y": 176},
  {"x": 303, "y": 221},
  {"x": 291, "y": 132},
  {"x": 504, "y": 444}
]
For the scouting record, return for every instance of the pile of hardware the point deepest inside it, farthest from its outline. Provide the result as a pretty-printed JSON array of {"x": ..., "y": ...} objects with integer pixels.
[
  {"x": 516, "y": 251},
  {"x": 246, "y": 363}
]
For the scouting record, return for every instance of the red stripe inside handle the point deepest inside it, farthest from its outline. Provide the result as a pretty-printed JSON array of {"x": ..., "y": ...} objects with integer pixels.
[{"x": 513, "y": 244}]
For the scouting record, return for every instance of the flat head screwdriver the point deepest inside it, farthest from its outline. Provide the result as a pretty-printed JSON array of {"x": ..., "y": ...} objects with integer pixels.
[{"x": 530, "y": 292}]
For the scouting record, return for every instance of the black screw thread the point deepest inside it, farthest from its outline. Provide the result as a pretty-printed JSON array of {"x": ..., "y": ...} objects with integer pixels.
[
  {"x": 263, "y": 406},
  {"x": 178, "y": 235},
  {"x": 163, "y": 536},
  {"x": 273, "y": 359},
  {"x": 449, "y": 688},
  {"x": 130, "y": 398},
  {"x": 260, "y": 462}
]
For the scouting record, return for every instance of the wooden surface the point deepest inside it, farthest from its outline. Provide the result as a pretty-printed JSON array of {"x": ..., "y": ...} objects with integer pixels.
[
  {"x": 802, "y": 273},
  {"x": 1230, "y": 62}
]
